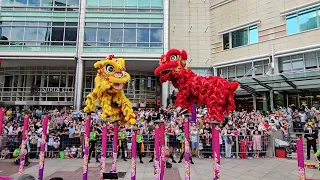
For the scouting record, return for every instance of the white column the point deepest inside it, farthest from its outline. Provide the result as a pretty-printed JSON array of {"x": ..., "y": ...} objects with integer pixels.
[
  {"x": 78, "y": 87},
  {"x": 165, "y": 94},
  {"x": 165, "y": 86},
  {"x": 29, "y": 84},
  {"x": 275, "y": 65},
  {"x": 254, "y": 102},
  {"x": 215, "y": 72},
  {"x": 271, "y": 100}
]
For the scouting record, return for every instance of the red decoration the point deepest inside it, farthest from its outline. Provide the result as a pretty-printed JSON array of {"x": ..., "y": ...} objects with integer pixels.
[{"x": 214, "y": 92}]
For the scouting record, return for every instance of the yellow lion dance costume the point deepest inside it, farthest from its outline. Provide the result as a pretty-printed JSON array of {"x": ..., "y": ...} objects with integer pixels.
[{"x": 108, "y": 91}]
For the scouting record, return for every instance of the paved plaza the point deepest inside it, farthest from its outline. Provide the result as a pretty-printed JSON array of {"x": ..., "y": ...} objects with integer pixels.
[{"x": 232, "y": 169}]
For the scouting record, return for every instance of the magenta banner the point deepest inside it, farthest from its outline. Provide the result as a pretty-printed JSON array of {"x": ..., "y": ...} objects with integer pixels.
[{"x": 300, "y": 158}]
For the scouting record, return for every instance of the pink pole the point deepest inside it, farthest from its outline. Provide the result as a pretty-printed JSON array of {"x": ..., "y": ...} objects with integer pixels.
[
  {"x": 86, "y": 148},
  {"x": 162, "y": 162},
  {"x": 187, "y": 148},
  {"x": 23, "y": 151},
  {"x": 1, "y": 120},
  {"x": 134, "y": 156},
  {"x": 300, "y": 157},
  {"x": 115, "y": 147},
  {"x": 216, "y": 152},
  {"x": 43, "y": 146},
  {"x": 156, "y": 153},
  {"x": 103, "y": 150}
]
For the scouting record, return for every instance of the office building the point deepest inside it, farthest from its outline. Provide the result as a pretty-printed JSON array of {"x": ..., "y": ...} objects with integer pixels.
[
  {"x": 48, "y": 48},
  {"x": 271, "y": 48}
]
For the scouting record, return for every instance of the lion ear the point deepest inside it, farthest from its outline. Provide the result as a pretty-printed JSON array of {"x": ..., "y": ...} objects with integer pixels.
[
  {"x": 121, "y": 61},
  {"x": 184, "y": 55}
]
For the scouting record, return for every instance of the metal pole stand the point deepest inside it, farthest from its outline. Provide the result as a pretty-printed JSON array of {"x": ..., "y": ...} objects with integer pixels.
[
  {"x": 134, "y": 154},
  {"x": 113, "y": 173},
  {"x": 156, "y": 151},
  {"x": 162, "y": 148},
  {"x": 104, "y": 140},
  {"x": 187, "y": 146},
  {"x": 215, "y": 150}
]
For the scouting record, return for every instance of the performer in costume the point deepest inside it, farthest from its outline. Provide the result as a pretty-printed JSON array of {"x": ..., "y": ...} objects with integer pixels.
[
  {"x": 214, "y": 92},
  {"x": 122, "y": 143},
  {"x": 108, "y": 91},
  {"x": 139, "y": 143}
]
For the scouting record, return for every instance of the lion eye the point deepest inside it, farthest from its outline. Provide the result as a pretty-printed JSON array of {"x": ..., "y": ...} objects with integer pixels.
[
  {"x": 174, "y": 57},
  {"x": 109, "y": 68}
]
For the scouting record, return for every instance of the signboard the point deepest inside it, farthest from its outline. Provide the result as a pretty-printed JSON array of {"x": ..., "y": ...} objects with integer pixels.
[{"x": 51, "y": 89}]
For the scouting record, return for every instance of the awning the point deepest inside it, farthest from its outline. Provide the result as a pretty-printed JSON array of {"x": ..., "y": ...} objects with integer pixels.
[{"x": 290, "y": 81}]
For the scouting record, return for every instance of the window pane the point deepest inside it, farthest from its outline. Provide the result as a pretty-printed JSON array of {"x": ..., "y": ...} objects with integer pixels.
[
  {"x": 73, "y": 3},
  {"x": 46, "y": 3},
  {"x": 30, "y": 35},
  {"x": 90, "y": 34},
  {"x": 57, "y": 35},
  {"x": 253, "y": 32},
  {"x": 132, "y": 25},
  {"x": 116, "y": 35},
  {"x": 226, "y": 44},
  {"x": 143, "y": 3},
  {"x": 311, "y": 60},
  {"x": 117, "y": 3},
  {"x": 92, "y": 3},
  {"x": 60, "y": 2},
  {"x": 43, "y": 35},
  {"x": 70, "y": 34},
  {"x": 157, "y": 3},
  {"x": 240, "y": 70},
  {"x": 17, "y": 32},
  {"x": 292, "y": 25},
  {"x": 34, "y": 2},
  {"x": 308, "y": 20},
  {"x": 156, "y": 35},
  {"x": 131, "y": 3},
  {"x": 103, "y": 35},
  {"x": 105, "y": 3},
  {"x": 5, "y": 33},
  {"x": 239, "y": 37},
  {"x": 21, "y": 2},
  {"x": 297, "y": 65},
  {"x": 143, "y": 35},
  {"x": 285, "y": 66},
  {"x": 130, "y": 35}
]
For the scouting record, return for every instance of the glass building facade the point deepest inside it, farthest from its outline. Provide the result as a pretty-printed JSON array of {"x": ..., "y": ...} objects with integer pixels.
[{"x": 77, "y": 29}]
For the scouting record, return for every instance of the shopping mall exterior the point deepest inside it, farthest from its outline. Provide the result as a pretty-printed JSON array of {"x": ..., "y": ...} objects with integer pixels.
[
  {"x": 48, "y": 48},
  {"x": 270, "y": 47}
]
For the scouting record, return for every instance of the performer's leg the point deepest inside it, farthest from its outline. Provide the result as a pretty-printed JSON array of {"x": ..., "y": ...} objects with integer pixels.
[
  {"x": 171, "y": 156},
  {"x": 181, "y": 157}
]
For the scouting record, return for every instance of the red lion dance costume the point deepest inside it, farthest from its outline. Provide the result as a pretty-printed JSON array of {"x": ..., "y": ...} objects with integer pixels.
[{"x": 214, "y": 92}]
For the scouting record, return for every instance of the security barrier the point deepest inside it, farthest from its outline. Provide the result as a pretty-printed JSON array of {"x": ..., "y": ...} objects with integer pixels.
[{"x": 64, "y": 147}]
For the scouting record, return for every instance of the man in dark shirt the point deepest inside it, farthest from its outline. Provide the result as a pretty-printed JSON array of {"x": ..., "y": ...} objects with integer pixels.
[
  {"x": 64, "y": 138},
  {"x": 311, "y": 135}
]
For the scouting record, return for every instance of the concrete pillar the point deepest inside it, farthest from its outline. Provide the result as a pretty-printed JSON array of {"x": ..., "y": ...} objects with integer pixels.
[
  {"x": 271, "y": 100},
  {"x": 215, "y": 72},
  {"x": 165, "y": 94},
  {"x": 275, "y": 65},
  {"x": 29, "y": 84},
  {"x": 254, "y": 102},
  {"x": 265, "y": 102},
  {"x": 165, "y": 86},
  {"x": 78, "y": 87}
]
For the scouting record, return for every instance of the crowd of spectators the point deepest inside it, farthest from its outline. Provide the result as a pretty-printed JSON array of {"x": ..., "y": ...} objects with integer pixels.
[{"x": 66, "y": 127}]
